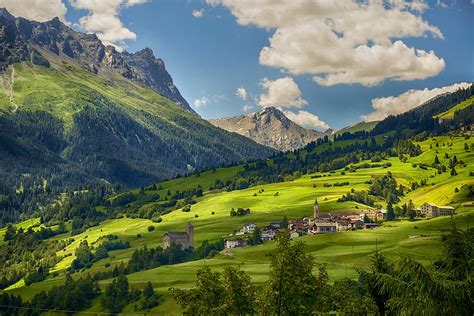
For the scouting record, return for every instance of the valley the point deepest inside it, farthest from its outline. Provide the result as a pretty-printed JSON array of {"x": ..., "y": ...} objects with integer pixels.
[{"x": 341, "y": 252}]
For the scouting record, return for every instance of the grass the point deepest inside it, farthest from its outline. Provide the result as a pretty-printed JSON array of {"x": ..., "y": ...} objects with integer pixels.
[
  {"x": 449, "y": 114},
  {"x": 341, "y": 252},
  {"x": 362, "y": 126}
]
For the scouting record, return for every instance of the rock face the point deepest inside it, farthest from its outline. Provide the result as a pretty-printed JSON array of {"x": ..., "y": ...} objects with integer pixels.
[
  {"x": 22, "y": 40},
  {"x": 270, "y": 127}
]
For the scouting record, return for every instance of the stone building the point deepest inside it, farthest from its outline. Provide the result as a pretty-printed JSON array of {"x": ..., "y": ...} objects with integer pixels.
[{"x": 185, "y": 239}]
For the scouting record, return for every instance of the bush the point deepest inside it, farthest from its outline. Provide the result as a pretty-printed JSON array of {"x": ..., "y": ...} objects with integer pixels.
[{"x": 151, "y": 228}]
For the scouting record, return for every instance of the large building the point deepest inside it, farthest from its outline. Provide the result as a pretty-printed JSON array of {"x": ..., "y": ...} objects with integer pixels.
[
  {"x": 433, "y": 210},
  {"x": 185, "y": 239}
]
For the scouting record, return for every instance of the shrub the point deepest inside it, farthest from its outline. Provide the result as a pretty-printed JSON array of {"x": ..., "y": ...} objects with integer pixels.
[{"x": 151, "y": 228}]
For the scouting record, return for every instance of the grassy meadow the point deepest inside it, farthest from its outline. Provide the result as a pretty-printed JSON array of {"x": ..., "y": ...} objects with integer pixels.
[{"x": 341, "y": 252}]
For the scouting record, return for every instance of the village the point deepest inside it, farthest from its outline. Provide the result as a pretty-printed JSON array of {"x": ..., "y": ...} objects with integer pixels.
[
  {"x": 315, "y": 225},
  {"x": 327, "y": 223}
]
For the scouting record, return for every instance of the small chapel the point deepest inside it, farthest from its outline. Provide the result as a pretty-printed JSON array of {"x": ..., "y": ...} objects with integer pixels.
[{"x": 185, "y": 239}]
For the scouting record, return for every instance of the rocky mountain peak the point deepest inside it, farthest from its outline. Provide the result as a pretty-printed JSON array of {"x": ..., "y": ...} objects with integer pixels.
[
  {"x": 21, "y": 38},
  {"x": 269, "y": 127}
]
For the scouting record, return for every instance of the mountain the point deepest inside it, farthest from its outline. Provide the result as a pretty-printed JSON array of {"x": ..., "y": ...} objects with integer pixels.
[
  {"x": 23, "y": 40},
  {"x": 269, "y": 127},
  {"x": 73, "y": 112}
]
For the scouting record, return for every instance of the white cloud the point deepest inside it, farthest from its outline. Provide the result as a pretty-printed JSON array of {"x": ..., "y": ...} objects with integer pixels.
[
  {"x": 37, "y": 10},
  {"x": 201, "y": 102},
  {"x": 307, "y": 119},
  {"x": 248, "y": 107},
  {"x": 406, "y": 101},
  {"x": 342, "y": 41},
  {"x": 282, "y": 93},
  {"x": 198, "y": 13},
  {"x": 103, "y": 19},
  {"x": 241, "y": 93}
]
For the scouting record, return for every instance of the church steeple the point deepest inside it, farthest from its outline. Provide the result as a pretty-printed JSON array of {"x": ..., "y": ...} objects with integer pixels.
[{"x": 316, "y": 209}]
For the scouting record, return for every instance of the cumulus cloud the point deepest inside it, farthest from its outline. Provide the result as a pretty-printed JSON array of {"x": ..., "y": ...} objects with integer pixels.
[
  {"x": 103, "y": 19},
  {"x": 282, "y": 93},
  {"x": 241, "y": 93},
  {"x": 201, "y": 102},
  {"x": 198, "y": 13},
  {"x": 37, "y": 10},
  {"x": 393, "y": 105},
  {"x": 342, "y": 42},
  {"x": 307, "y": 119}
]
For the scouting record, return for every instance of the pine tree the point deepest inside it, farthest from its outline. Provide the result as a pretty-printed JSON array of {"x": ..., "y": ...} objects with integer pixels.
[
  {"x": 453, "y": 171},
  {"x": 390, "y": 212},
  {"x": 436, "y": 161}
]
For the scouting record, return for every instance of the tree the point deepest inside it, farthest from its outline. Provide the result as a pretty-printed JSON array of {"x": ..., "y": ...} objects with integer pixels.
[
  {"x": 150, "y": 298},
  {"x": 284, "y": 222},
  {"x": 10, "y": 232},
  {"x": 366, "y": 219},
  {"x": 453, "y": 171},
  {"x": 436, "y": 161},
  {"x": 390, "y": 212},
  {"x": 292, "y": 288},
  {"x": 204, "y": 299},
  {"x": 369, "y": 280},
  {"x": 256, "y": 236},
  {"x": 466, "y": 147},
  {"x": 116, "y": 295},
  {"x": 239, "y": 298}
]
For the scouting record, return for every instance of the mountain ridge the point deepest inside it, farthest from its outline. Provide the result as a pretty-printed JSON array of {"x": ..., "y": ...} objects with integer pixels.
[{"x": 22, "y": 38}]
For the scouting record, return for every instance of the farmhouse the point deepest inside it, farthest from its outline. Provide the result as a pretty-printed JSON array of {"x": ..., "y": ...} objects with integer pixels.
[
  {"x": 433, "y": 210},
  {"x": 185, "y": 239},
  {"x": 236, "y": 243},
  {"x": 373, "y": 215},
  {"x": 248, "y": 228},
  {"x": 325, "y": 227}
]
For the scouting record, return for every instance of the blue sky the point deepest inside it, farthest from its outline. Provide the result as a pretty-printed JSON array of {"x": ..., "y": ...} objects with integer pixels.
[{"x": 209, "y": 54}]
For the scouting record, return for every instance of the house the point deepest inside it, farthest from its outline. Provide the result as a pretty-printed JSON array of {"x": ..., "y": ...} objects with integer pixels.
[
  {"x": 248, "y": 228},
  {"x": 325, "y": 227},
  {"x": 370, "y": 225},
  {"x": 373, "y": 215},
  {"x": 343, "y": 225},
  {"x": 185, "y": 239},
  {"x": 356, "y": 224},
  {"x": 299, "y": 225},
  {"x": 268, "y": 235},
  {"x": 433, "y": 210},
  {"x": 236, "y": 243},
  {"x": 294, "y": 235}
]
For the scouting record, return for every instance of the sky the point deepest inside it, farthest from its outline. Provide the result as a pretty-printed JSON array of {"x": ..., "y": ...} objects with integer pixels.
[{"x": 324, "y": 63}]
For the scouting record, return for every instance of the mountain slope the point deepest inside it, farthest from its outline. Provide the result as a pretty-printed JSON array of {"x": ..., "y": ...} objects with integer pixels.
[
  {"x": 269, "y": 127},
  {"x": 23, "y": 40},
  {"x": 67, "y": 126}
]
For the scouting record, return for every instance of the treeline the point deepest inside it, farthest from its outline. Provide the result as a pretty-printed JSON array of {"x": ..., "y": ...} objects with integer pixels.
[
  {"x": 402, "y": 288},
  {"x": 77, "y": 295},
  {"x": 421, "y": 118},
  {"x": 85, "y": 256},
  {"x": 28, "y": 254}
]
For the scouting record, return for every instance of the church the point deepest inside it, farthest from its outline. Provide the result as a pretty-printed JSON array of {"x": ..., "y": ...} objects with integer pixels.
[{"x": 185, "y": 239}]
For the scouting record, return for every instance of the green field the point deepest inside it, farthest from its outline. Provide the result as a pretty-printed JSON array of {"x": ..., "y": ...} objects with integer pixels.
[
  {"x": 449, "y": 114},
  {"x": 340, "y": 252}
]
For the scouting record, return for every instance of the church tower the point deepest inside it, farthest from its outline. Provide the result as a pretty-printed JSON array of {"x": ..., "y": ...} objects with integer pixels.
[
  {"x": 190, "y": 233},
  {"x": 316, "y": 209}
]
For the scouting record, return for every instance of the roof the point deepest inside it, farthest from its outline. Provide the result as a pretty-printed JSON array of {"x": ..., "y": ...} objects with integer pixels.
[
  {"x": 430, "y": 204},
  {"x": 177, "y": 234},
  {"x": 326, "y": 224},
  {"x": 446, "y": 207}
]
